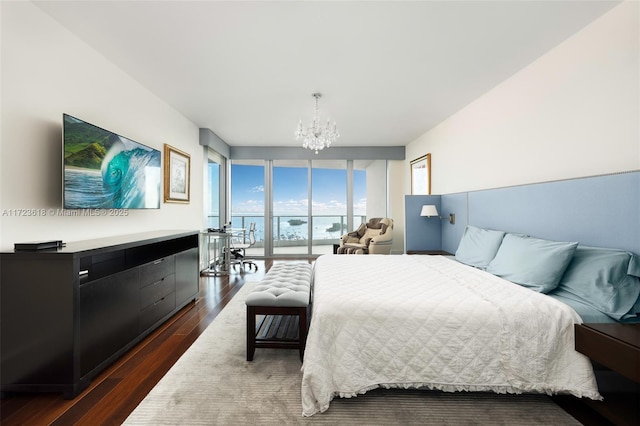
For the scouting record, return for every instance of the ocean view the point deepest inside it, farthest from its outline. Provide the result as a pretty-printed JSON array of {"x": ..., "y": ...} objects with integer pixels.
[{"x": 293, "y": 228}]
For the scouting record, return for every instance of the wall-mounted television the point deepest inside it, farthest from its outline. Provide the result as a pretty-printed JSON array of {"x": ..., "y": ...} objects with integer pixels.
[{"x": 103, "y": 170}]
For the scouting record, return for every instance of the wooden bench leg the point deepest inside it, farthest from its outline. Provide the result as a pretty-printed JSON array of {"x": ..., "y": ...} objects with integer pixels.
[
  {"x": 303, "y": 331},
  {"x": 251, "y": 332},
  {"x": 254, "y": 342}
]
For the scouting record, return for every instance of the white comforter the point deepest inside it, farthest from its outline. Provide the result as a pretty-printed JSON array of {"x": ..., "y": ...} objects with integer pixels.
[{"x": 428, "y": 321}]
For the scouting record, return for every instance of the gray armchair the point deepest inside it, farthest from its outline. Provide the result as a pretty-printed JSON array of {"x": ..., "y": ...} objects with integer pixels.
[{"x": 373, "y": 237}]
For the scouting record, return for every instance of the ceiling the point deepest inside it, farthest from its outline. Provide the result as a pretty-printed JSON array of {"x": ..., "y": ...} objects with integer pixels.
[{"x": 389, "y": 71}]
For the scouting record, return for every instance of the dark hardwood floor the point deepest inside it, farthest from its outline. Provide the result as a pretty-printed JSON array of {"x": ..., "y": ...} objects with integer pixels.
[{"x": 115, "y": 392}]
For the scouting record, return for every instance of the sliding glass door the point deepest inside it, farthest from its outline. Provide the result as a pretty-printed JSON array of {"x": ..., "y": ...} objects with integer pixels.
[
  {"x": 362, "y": 171},
  {"x": 328, "y": 204},
  {"x": 213, "y": 210},
  {"x": 247, "y": 200},
  {"x": 302, "y": 207},
  {"x": 290, "y": 207}
]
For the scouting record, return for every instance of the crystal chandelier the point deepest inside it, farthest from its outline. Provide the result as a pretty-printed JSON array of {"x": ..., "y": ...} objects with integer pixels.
[{"x": 316, "y": 136}]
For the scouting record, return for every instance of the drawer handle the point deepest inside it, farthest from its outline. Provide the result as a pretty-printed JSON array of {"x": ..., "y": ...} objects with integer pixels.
[
  {"x": 158, "y": 282},
  {"x": 158, "y": 301},
  {"x": 83, "y": 272},
  {"x": 159, "y": 261}
]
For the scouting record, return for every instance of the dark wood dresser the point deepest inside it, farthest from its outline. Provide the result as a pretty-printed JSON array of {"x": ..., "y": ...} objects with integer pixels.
[{"x": 68, "y": 313}]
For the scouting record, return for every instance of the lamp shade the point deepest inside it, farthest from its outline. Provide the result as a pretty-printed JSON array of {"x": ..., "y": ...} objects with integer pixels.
[{"x": 429, "y": 210}]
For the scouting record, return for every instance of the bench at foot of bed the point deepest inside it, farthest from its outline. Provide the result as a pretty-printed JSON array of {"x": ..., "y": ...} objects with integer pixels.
[{"x": 284, "y": 293}]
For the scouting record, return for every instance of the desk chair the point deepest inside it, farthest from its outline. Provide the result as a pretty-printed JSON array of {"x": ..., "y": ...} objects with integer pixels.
[{"x": 239, "y": 245}]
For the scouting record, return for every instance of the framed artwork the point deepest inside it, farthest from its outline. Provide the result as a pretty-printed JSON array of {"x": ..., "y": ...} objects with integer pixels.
[
  {"x": 177, "y": 168},
  {"x": 421, "y": 175}
]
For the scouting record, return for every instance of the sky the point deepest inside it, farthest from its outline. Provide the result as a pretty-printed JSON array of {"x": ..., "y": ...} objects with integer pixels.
[{"x": 290, "y": 191}]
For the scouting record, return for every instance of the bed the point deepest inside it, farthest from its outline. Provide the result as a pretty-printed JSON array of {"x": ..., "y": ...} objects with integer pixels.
[{"x": 435, "y": 322}]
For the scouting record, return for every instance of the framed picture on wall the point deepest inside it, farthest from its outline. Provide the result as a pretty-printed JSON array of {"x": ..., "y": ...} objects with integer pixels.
[
  {"x": 177, "y": 168},
  {"x": 421, "y": 175}
]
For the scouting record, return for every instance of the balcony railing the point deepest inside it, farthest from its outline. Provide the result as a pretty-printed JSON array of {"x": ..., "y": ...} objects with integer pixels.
[{"x": 293, "y": 231}]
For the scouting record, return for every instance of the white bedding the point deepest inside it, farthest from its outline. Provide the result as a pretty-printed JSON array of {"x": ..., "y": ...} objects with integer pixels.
[{"x": 428, "y": 321}]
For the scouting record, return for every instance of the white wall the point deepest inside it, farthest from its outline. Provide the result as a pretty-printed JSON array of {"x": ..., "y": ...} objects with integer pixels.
[
  {"x": 573, "y": 112},
  {"x": 377, "y": 189},
  {"x": 47, "y": 71},
  {"x": 383, "y": 201},
  {"x": 396, "y": 204}
]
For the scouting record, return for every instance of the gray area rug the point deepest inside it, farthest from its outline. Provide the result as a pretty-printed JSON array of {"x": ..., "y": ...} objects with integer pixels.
[{"x": 213, "y": 384}]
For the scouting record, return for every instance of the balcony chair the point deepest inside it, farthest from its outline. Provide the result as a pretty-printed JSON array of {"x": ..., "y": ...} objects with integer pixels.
[
  {"x": 373, "y": 237},
  {"x": 238, "y": 248}
]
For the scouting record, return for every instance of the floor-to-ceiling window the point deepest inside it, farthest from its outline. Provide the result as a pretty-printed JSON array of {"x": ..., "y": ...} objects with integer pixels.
[
  {"x": 247, "y": 200},
  {"x": 290, "y": 206},
  {"x": 213, "y": 210},
  {"x": 303, "y": 207},
  {"x": 359, "y": 192},
  {"x": 328, "y": 204}
]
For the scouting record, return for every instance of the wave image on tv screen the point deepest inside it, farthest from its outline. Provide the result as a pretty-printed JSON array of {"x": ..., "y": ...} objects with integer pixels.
[{"x": 103, "y": 170}]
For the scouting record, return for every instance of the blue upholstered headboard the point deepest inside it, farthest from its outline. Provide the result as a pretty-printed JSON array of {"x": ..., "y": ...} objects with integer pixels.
[{"x": 602, "y": 211}]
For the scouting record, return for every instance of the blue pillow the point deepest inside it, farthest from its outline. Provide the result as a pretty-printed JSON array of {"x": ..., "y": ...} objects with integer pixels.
[
  {"x": 478, "y": 246},
  {"x": 532, "y": 262},
  {"x": 605, "y": 279},
  {"x": 634, "y": 312}
]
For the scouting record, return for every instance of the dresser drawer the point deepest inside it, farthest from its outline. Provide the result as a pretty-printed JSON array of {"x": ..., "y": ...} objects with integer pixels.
[
  {"x": 153, "y": 292},
  {"x": 154, "y": 271},
  {"x": 156, "y": 311}
]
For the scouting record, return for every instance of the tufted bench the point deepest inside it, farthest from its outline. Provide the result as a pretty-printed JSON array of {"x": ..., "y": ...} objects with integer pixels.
[{"x": 285, "y": 290}]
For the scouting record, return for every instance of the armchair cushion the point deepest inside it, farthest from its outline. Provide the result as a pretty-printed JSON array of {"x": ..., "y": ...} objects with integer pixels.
[
  {"x": 354, "y": 236},
  {"x": 379, "y": 223},
  {"x": 375, "y": 231}
]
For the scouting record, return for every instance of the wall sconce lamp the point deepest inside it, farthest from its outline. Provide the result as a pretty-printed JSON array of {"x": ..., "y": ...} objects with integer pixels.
[{"x": 430, "y": 210}]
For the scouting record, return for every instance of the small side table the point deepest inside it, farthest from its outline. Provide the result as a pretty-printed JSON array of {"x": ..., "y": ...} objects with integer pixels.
[
  {"x": 218, "y": 262},
  {"x": 616, "y": 347}
]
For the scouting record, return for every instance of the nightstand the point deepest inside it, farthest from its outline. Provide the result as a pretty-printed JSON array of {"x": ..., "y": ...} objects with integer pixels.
[{"x": 616, "y": 347}]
